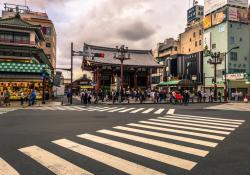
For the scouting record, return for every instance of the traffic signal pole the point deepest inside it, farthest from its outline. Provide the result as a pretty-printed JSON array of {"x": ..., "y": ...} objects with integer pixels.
[{"x": 71, "y": 74}]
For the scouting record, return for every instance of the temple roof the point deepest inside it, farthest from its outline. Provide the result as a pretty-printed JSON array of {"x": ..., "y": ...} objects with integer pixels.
[
  {"x": 18, "y": 23},
  {"x": 140, "y": 58}
]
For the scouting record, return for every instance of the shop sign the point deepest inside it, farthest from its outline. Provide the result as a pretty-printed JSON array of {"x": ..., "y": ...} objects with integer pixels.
[
  {"x": 207, "y": 22},
  {"x": 219, "y": 17},
  {"x": 233, "y": 14},
  {"x": 235, "y": 76},
  {"x": 83, "y": 83}
]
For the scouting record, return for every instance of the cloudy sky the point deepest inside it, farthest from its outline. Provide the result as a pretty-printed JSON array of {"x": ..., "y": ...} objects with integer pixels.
[{"x": 139, "y": 24}]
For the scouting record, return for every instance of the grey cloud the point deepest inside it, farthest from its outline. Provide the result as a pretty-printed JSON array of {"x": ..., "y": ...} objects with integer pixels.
[{"x": 136, "y": 31}]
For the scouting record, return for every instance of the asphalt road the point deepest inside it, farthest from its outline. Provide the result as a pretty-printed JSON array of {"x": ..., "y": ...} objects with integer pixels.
[{"x": 184, "y": 143}]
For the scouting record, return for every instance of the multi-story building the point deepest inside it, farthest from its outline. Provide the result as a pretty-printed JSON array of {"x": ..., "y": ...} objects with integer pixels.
[
  {"x": 227, "y": 31},
  {"x": 36, "y": 18},
  {"x": 23, "y": 63}
]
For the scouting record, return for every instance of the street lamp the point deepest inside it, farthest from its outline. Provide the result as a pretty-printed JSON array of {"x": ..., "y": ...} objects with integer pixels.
[
  {"x": 121, "y": 54},
  {"x": 225, "y": 73},
  {"x": 215, "y": 60},
  {"x": 43, "y": 77}
]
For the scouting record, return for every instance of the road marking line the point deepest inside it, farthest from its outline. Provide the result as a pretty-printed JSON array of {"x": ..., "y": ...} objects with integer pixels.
[
  {"x": 219, "y": 119},
  {"x": 148, "y": 110},
  {"x": 200, "y": 119},
  {"x": 90, "y": 109},
  {"x": 137, "y": 110},
  {"x": 126, "y": 110},
  {"x": 107, "y": 109},
  {"x": 108, "y": 159},
  {"x": 167, "y": 159},
  {"x": 79, "y": 108},
  {"x": 6, "y": 169},
  {"x": 159, "y": 111},
  {"x": 171, "y": 111},
  {"x": 69, "y": 108},
  {"x": 178, "y": 131},
  {"x": 176, "y": 147},
  {"x": 192, "y": 124},
  {"x": 60, "y": 108},
  {"x": 114, "y": 110},
  {"x": 200, "y": 122},
  {"x": 186, "y": 127},
  {"x": 53, "y": 162},
  {"x": 49, "y": 108},
  {"x": 169, "y": 136}
]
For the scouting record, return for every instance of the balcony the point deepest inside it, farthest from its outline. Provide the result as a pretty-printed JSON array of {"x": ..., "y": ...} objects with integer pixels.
[{"x": 21, "y": 42}]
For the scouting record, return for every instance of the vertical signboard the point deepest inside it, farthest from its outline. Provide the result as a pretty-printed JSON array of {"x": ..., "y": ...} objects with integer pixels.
[
  {"x": 233, "y": 14},
  {"x": 207, "y": 21},
  {"x": 207, "y": 40},
  {"x": 243, "y": 15}
]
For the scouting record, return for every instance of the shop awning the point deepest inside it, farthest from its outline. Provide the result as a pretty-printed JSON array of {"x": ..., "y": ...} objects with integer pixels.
[
  {"x": 181, "y": 83},
  {"x": 15, "y": 67}
]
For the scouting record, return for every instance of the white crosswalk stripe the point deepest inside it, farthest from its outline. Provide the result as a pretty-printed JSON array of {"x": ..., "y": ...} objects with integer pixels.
[
  {"x": 108, "y": 159},
  {"x": 164, "y": 158},
  {"x": 137, "y": 110},
  {"x": 118, "y": 109},
  {"x": 169, "y": 136},
  {"x": 53, "y": 162},
  {"x": 192, "y": 124},
  {"x": 231, "y": 107},
  {"x": 126, "y": 110},
  {"x": 154, "y": 132},
  {"x": 186, "y": 127},
  {"x": 148, "y": 110},
  {"x": 6, "y": 169},
  {"x": 107, "y": 109},
  {"x": 171, "y": 146},
  {"x": 159, "y": 111}
]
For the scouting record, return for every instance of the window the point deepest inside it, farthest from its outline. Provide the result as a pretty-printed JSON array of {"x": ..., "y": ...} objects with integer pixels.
[
  {"x": 232, "y": 40},
  {"x": 200, "y": 32},
  {"x": 48, "y": 45},
  {"x": 196, "y": 43},
  {"x": 175, "y": 48},
  {"x": 46, "y": 30},
  {"x": 189, "y": 50},
  {"x": 213, "y": 46},
  {"x": 190, "y": 39},
  {"x": 194, "y": 34},
  {"x": 233, "y": 56},
  {"x": 231, "y": 25},
  {"x": 240, "y": 39},
  {"x": 49, "y": 56},
  {"x": 245, "y": 58},
  {"x": 200, "y": 42}
]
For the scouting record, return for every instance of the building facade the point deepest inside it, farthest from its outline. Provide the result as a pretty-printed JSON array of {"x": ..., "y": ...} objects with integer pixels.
[
  {"x": 23, "y": 63},
  {"x": 36, "y": 18},
  {"x": 106, "y": 71},
  {"x": 226, "y": 28}
]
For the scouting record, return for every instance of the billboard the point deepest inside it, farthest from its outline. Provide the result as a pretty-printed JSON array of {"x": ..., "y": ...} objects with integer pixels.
[
  {"x": 207, "y": 22},
  {"x": 219, "y": 16},
  {"x": 233, "y": 14},
  {"x": 243, "y": 15},
  {"x": 238, "y": 14},
  {"x": 191, "y": 14},
  {"x": 212, "y": 5}
]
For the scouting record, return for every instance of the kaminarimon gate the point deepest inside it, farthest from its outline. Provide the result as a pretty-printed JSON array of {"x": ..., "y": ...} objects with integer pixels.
[{"x": 106, "y": 71}]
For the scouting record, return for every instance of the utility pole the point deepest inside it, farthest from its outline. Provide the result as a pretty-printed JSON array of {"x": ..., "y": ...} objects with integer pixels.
[{"x": 71, "y": 74}]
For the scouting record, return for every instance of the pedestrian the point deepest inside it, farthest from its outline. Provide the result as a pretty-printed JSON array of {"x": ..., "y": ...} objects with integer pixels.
[
  {"x": 219, "y": 96},
  {"x": 68, "y": 96},
  {"x": 22, "y": 98},
  {"x": 7, "y": 98},
  {"x": 32, "y": 98},
  {"x": 1, "y": 98}
]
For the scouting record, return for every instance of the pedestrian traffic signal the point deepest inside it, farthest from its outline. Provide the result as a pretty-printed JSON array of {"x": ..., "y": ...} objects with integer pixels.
[{"x": 100, "y": 55}]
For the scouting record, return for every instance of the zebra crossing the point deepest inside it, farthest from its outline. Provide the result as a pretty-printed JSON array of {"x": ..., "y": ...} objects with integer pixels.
[
  {"x": 6, "y": 110},
  {"x": 195, "y": 136},
  {"x": 231, "y": 107},
  {"x": 131, "y": 110}
]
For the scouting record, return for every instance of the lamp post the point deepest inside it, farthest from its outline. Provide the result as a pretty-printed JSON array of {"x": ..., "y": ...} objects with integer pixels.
[
  {"x": 44, "y": 77},
  {"x": 225, "y": 73},
  {"x": 121, "y": 55},
  {"x": 215, "y": 60}
]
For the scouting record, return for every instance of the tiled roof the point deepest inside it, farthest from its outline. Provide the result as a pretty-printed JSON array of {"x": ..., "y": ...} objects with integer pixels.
[{"x": 143, "y": 58}]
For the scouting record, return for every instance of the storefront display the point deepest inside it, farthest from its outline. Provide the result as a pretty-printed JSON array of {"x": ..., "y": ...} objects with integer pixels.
[{"x": 16, "y": 87}]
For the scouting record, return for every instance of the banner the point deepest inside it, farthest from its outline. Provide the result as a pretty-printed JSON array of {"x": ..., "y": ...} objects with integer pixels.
[
  {"x": 207, "y": 22},
  {"x": 219, "y": 17},
  {"x": 207, "y": 40},
  {"x": 233, "y": 14}
]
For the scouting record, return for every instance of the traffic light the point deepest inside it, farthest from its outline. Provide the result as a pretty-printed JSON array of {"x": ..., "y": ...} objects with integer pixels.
[{"x": 100, "y": 55}]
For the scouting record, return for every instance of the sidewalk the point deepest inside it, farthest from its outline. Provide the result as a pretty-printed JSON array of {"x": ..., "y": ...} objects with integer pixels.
[{"x": 16, "y": 104}]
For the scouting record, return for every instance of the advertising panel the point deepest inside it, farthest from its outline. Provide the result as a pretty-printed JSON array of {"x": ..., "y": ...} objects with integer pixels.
[
  {"x": 212, "y": 5},
  {"x": 243, "y": 15},
  {"x": 219, "y": 16},
  {"x": 191, "y": 14},
  {"x": 207, "y": 22},
  {"x": 207, "y": 40},
  {"x": 233, "y": 14}
]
